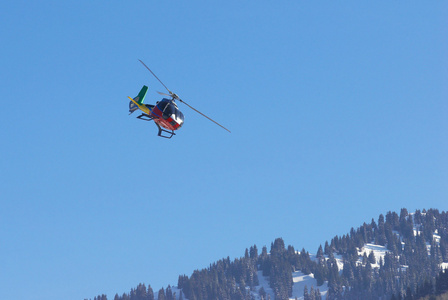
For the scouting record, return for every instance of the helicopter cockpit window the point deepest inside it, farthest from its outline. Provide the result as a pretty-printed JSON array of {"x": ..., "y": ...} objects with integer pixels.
[
  {"x": 169, "y": 110},
  {"x": 162, "y": 105},
  {"x": 179, "y": 115}
]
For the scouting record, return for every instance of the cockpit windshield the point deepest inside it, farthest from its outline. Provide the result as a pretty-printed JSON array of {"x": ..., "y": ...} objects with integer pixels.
[
  {"x": 179, "y": 115},
  {"x": 169, "y": 109}
]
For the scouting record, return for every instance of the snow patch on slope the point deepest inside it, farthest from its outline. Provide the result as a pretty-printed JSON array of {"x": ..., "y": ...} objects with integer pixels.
[
  {"x": 263, "y": 282},
  {"x": 378, "y": 251},
  {"x": 301, "y": 280}
]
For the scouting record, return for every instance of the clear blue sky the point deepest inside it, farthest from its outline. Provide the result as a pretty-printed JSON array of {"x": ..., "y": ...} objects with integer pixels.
[{"x": 338, "y": 113}]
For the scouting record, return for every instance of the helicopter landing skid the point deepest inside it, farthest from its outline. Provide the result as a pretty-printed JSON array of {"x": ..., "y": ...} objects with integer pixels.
[
  {"x": 170, "y": 133},
  {"x": 146, "y": 117}
]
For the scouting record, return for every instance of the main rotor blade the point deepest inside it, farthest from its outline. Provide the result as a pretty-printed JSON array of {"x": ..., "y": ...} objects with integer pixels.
[
  {"x": 163, "y": 94},
  {"x": 202, "y": 114},
  {"x": 174, "y": 96},
  {"x": 155, "y": 76}
]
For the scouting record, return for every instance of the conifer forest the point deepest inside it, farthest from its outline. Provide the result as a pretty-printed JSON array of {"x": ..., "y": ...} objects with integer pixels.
[{"x": 412, "y": 267}]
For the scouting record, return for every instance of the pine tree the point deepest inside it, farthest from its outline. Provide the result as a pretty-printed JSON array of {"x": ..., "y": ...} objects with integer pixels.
[
  {"x": 320, "y": 252},
  {"x": 125, "y": 297},
  {"x": 409, "y": 295},
  {"x": 161, "y": 295},
  {"x": 364, "y": 258},
  {"x": 380, "y": 237},
  {"x": 262, "y": 293},
  {"x": 169, "y": 293},
  {"x": 306, "y": 296},
  {"x": 347, "y": 272},
  {"x": 327, "y": 249},
  {"x": 254, "y": 252},
  {"x": 312, "y": 293},
  {"x": 140, "y": 292},
  {"x": 318, "y": 295},
  {"x": 150, "y": 293},
  {"x": 371, "y": 258},
  {"x": 442, "y": 282}
]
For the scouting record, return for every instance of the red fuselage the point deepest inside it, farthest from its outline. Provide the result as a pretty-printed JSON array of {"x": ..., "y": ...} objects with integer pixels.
[{"x": 167, "y": 115}]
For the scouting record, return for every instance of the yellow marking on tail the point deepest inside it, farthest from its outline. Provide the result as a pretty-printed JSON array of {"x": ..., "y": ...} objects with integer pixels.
[{"x": 142, "y": 107}]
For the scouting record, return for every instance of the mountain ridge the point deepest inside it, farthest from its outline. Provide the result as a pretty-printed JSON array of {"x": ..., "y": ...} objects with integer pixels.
[{"x": 378, "y": 260}]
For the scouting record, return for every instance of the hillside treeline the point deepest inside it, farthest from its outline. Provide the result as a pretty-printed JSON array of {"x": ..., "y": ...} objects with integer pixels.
[
  {"x": 406, "y": 265},
  {"x": 413, "y": 258},
  {"x": 430, "y": 289}
]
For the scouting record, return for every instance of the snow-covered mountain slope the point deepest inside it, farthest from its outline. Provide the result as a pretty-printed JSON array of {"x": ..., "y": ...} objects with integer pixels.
[
  {"x": 362, "y": 256},
  {"x": 300, "y": 282}
]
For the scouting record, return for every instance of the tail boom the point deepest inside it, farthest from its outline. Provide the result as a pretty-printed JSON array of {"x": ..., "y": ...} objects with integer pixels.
[{"x": 137, "y": 102}]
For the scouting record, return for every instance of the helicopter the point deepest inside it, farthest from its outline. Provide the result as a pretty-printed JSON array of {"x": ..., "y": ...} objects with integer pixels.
[{"x": 165, "y": 113}]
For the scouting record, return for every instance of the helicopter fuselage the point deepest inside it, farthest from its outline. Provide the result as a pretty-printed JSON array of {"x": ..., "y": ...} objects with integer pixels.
[{"x": 166, "y": 114}]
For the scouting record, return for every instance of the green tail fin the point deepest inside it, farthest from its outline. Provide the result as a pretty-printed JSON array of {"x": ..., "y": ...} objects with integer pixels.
[{"x": 141, "y": 96}]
